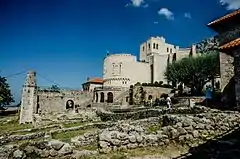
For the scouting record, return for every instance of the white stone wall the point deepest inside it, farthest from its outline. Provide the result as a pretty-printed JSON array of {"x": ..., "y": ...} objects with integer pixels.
[
  {"x": 92, "y": 86},
  {"x": 159, "y": 67},
  {"x": 156, "y": 45},
  {"x": 123, "y": 70}
]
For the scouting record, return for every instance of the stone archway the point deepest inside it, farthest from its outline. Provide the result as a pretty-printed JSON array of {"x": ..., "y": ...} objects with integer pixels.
[
  {"x": 101, "y": 97},
  {"x": 110, "y": 97},
  {"x": 70, "y": 104},
  {"x": 96, "y": 97},
  {"x": 150, "y": 97}
]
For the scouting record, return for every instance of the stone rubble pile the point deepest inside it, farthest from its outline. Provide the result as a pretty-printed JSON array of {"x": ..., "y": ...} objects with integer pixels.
[
  {"x": 88, "y": 138},
  {"x": 188, "y": 130}
]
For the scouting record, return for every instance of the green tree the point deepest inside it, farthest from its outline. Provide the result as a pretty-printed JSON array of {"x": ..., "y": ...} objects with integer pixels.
[
  {"x": 194, "y": 72},
  {"x": 55, "y": 88},
  {"x": 6, "y": 97}
]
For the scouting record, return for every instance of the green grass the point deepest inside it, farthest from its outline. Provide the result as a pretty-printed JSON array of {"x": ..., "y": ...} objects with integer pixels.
[
  {"x": 66, "y": 136},
  {"x": 13, "y": 126},
  {"x": 153, "y": 128},
  {"x": 68, "y": 125},
  {"x": 34, "y": 131}
]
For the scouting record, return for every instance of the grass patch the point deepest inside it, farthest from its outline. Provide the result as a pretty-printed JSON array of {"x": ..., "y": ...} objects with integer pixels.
[
  {"x": 13, "y": 126},
  {"x": 66, "y": 136},
  {"x": 91, "y": 147},
  {"x": 74, "y": 124},
  {"x": 34, "y": 131},
  {"x": 153, "y": 128}
]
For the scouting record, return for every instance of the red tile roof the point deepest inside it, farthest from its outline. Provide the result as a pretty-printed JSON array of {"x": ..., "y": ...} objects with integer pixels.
[
  {"x": 95, "y": 80},
  {"x": 237, "y": 12},
  {"x": 231, "y": 44}
]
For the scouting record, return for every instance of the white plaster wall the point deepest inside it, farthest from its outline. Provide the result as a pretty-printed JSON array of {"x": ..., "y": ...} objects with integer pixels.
[
  {"x": 156, "y": 45},
  {"x": 127, "y": 72},
  {"x": 159, "y": 66},
  {"x": 92, "y": 86}
]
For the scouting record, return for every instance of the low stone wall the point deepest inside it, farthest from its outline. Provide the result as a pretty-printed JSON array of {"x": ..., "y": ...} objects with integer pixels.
[
  {"x": 146, "y": 113},
  {"x": 11, "y": 138},
  {"x": 187, "y": 130},
  {"x": 89, "y": 138},
  {"x": 185, "y": 101},
  {"x": 43, "y": 149}
]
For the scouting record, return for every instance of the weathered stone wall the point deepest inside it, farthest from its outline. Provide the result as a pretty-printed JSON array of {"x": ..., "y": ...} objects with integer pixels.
[
  {"x": 155, "y": 92},
  {"x": 186, "y": 130},
  {"x": 49, "y": 102},
  {"x": 226, "y": 69},
  {"x": 28, "y": 101}
]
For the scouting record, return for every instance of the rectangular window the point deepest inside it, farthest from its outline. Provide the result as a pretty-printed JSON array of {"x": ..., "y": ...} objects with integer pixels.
[
  {"x": 157, "y": 46},
  {"x": 149, "y": 46},
  {"x": 171, "y": 50},
  {"x": 154, "y": 45},
  {"x": 167, "y": 49},
  {"x": 143, "y": 48}
]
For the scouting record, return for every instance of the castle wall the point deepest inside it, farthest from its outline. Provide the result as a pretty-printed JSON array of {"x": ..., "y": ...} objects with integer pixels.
[
  {"x": 123, "y": 70},
  {"x": 156, "y": 45},
  {"x": 160, "y": 63},
  {"x": 226, "y": 69},
  {"x": 154, "y": 92},
  {"x": 49, "y": 102}
]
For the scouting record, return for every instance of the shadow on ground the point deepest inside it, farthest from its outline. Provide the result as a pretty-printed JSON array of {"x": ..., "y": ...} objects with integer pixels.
[{"x": 226, "y": 146}]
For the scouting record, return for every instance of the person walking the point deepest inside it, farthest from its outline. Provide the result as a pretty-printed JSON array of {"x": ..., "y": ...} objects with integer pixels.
[{"x": 169, "y": 102}]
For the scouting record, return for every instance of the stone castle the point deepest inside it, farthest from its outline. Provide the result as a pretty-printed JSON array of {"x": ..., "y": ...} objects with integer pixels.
[{"x": 119, "y": 72}]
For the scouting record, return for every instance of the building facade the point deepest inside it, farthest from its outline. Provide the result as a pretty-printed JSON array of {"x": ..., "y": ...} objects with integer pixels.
[
  {"x": 120, "y": 71},
  {"x": 123, "y": 70}
]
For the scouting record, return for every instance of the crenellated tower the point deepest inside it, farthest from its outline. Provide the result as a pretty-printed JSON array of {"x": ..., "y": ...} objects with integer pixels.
[{"x": 28, "y": 100}]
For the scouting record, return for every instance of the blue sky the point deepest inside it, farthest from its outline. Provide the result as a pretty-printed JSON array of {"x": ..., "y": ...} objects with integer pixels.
[{"x": 66, "y": 40}]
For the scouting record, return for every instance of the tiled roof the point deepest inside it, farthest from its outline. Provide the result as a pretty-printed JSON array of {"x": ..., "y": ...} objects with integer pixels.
[
  {"x": 231, "y": 44},
  {"x": 225, "y": 17},
  {"x": 95, "y": 80}
]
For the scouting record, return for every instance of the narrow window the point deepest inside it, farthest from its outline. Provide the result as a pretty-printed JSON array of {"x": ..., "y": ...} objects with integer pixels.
[
  {"x": 143, "y": 48},
  {"x": 154, "y": 45},
  {"x": 170, "y": 50},
  {"x": 157, "y": 46},
  {"x": 167, "y": 50},
  {"x": 149, "y": 46}
]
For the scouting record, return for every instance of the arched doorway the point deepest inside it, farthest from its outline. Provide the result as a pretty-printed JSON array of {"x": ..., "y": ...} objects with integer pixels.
[
  {"x": 101, "y": 97},
  {"x": 69, "y": 104},
  {"x": 110, "y": 97},
  {"x": 149, "y": 97},
  {"x": 96, "y": 97}
]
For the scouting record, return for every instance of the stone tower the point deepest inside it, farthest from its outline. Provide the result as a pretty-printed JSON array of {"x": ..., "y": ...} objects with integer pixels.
[{"x": 28, "y": 100}]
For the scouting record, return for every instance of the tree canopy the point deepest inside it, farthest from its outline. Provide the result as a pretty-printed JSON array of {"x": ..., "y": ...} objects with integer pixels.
[
  {"x": 194, "y": 72},
  {"x": 6, "y": 97}
]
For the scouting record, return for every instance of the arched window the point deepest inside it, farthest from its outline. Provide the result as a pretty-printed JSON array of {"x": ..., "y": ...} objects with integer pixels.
[
  {"x": 174, "y": 57},
  {"x": 96, "y": 97},
  {"x": 149, "y": 97},
  {"x": 157, "y": 46},
  {"x": 154, "y": 45},
  {"x": 101, "y": 97},
  {"x": 110, "y": 97}
]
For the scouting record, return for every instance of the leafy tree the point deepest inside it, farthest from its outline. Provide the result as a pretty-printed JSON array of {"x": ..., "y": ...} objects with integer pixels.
[
  {"x": 6, "y": 97},
  {"x": 194, "y": 72},
  {"x": 55, "y": 88}
]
